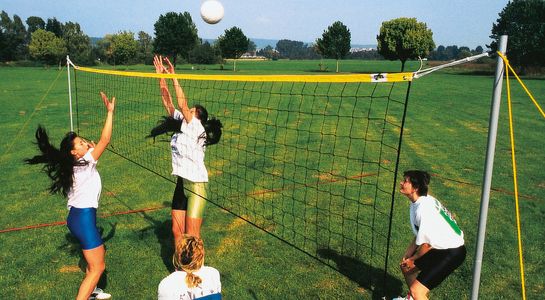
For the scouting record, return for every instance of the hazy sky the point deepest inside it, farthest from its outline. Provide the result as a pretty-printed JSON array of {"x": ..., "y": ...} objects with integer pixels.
[{"x": 453, "y": 22}]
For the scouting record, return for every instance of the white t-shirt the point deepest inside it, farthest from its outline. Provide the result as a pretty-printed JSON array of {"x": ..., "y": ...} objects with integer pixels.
[
  {"x": 174, "y": 287},
  {"x": 87, "y": 185},
  {"x": 188, "y": 150},
  {"x": 433, "y": 224}
]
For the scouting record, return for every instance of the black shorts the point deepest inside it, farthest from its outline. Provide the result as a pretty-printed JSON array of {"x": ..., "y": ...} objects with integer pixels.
[
  {"x": 179, "y": 199},
  {"x": 438, "y": 264}
]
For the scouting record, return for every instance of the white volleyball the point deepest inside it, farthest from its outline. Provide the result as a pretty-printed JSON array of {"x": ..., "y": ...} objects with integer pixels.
[{"x": 212, "y": 11}]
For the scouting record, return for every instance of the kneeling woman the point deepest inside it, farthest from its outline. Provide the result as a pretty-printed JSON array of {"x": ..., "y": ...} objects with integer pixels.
[{"x": 72, "y": 168}]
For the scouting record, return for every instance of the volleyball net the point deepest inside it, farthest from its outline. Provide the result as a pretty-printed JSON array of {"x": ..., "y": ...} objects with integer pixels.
[{"x": 310, "y": 159}]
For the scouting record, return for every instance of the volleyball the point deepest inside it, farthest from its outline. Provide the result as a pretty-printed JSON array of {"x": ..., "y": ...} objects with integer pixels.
[{"x": 212, "y": 11}]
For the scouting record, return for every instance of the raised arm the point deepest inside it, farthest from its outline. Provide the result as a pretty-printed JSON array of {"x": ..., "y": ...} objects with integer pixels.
[
  {"x": 180, "y": 95},
  {"x": 165, "y": 93},
  {"x": 106, "y": 135}
]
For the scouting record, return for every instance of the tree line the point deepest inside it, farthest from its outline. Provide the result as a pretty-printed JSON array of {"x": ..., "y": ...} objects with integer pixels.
[{"x": 175, "y": 35}]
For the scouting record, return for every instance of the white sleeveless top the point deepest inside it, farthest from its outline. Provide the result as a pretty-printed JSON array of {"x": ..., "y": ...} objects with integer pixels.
[
  {"x": 188, "y": 148},
  {"x": 85, "y": 191}
]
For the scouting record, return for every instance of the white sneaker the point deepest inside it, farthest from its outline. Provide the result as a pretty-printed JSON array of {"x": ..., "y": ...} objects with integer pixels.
[
  {"x": 99, "y": 294},
  {"x": 404, "y": 298}
]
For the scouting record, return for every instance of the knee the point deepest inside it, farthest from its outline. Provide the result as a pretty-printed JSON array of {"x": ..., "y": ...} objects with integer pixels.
[
  {"x": 98, "y": 267},
  {"x": 417, "y": 292}
]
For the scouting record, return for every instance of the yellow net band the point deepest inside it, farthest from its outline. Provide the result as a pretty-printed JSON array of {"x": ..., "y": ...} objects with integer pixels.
[{"x": 378, "y": 77}]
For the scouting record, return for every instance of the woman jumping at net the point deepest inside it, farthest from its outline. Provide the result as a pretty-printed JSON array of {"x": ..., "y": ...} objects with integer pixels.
[
  {"x": 72, "y": 168},
  {"x": 438, "y": 246},
  {"x": 193, "y": 131}
]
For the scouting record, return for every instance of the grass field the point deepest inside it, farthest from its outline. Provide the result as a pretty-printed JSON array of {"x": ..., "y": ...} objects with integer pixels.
[{"x": 445, "y": 133}]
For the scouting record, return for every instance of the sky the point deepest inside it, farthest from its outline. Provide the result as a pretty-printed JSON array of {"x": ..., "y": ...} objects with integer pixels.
[{"x": 453, "y": 22}]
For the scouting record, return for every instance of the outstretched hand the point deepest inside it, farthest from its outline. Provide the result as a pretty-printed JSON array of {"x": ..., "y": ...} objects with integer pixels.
[
  {"x": 170, "y": 69},
  {"x": 109, "y": 105},
  {"x": 158, "y": 63}
]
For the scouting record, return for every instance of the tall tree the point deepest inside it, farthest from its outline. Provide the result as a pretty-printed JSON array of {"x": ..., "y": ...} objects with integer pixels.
[
  {"x": 403, "y": 39},
  {"x": 53, "y": 25},
  {"x": 14, "y": 37},
  {"x": 175, "y": 34},
  {"x": 335, "y": 42},
  {"x": 77, "y": 43},
  {"x": 46, "y": 47},
  {"x": 290, "y": 49},
  {"x": 524, "y": 22},
  {"x": 124, "y": 47},
  {"x": 145, "y": 48},
  {"x": 233, "y": 43},
  {"x": 268, "y": 52},
  {"x": 103, "y": 49},
  {"x": 204, "y": 54},
  {"x": 34, "y": 23}
]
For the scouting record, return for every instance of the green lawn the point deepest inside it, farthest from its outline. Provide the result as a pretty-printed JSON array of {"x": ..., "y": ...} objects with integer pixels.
[{"x": 445, "y": 133}]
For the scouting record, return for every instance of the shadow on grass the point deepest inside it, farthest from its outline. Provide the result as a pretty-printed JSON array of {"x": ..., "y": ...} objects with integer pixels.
[
  {"x": 163, "y": 232},
  {"x": 368, "y": 277},
  {"x": 73, "y": 247}
]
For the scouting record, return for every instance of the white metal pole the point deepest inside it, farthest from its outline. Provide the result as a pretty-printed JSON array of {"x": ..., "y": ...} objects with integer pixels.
[
  {"x": 69, "y": 92},
  {"x": 489, "y": 165}
]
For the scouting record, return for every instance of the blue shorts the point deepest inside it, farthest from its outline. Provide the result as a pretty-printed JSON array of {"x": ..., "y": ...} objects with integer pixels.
[{"x": 82, "y": 223}]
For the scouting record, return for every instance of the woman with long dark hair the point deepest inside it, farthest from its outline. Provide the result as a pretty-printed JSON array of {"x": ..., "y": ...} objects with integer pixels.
[
  {"x": 72, "y": 170},
  {"x": 193, "y": 132}
]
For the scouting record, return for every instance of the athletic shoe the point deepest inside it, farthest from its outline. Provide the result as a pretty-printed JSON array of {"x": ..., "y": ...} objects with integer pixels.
[
  {"x": 99, "y": 294},
  {"x": 404, "y": 298}
]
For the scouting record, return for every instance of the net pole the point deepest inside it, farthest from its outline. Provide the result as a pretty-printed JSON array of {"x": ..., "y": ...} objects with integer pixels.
[
  {"x": 489, "y": 165},
  {"x": 394, "y": 190},
  {"x": 69, "y": 92}
]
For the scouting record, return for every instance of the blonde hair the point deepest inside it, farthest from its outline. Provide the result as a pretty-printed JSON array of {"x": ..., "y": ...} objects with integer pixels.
[{"x": 189, "y": 257}]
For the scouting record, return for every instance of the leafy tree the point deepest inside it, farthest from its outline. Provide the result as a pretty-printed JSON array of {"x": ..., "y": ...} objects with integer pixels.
[
  {"x": 479, "y": 50},
  {"x": 14, "y": 37},
  {"x": 251, "y": 46},
  {"x": 123, "y": 47},
  {"x": 46, "y": 47},
  {"x": 233, "y": 43},
  {"x": 175, "y": 34},
  {"x": 523, "y": 21},
  {"x": 335, "y": 42},
  {"x": 403, "y": 39},
  {"x": 77, "y": 43},
  {"x": 34, "y": 23},
  {"x": 204, "y": 54},
  {"x": 103, "y": 49},
  {"x": 268, "y": 52},
  {"x": 451, "y": 52},
  {"x": 291, "y": 49},
  {"x": 463, "y": 52},
  {"x": 53, "y": 25},
  {"x": 145, "y": 48}
]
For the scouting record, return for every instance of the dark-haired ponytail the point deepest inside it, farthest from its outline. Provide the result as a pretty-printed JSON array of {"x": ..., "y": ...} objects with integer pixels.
[
  {"x": 58, "y": 164},
  {"x": 165, "y": 125},
  {"x": 213, "y": 131}
]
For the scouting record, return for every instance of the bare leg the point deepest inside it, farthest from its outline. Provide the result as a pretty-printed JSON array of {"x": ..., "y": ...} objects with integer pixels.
[
  {"x": 419, "y": 291},
  {"x": 95, "y": 266},
  {"x": 194, "y": 226},
  {"x": 410, "y": 277},
  {"x": 178, "y": 224}
]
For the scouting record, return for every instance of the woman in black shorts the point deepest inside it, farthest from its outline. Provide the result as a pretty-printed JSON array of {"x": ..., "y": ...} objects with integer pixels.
[{"x": 438, "y": 246}]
